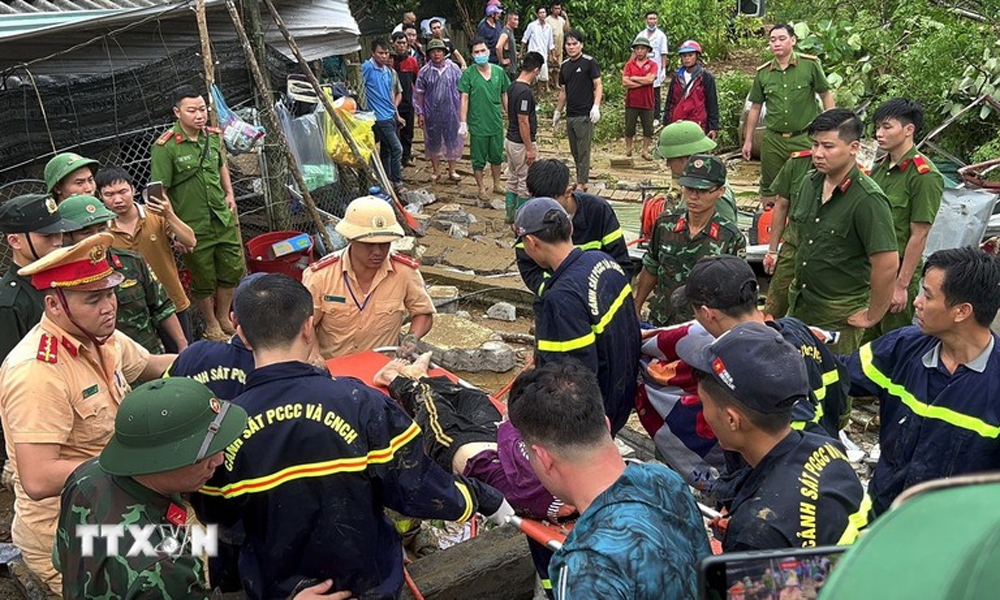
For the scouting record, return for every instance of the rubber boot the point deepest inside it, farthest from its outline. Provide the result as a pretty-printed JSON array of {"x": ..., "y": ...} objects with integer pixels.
[
  {"x": 522, "y": 201},
  {"x": 510, "y": 204}
]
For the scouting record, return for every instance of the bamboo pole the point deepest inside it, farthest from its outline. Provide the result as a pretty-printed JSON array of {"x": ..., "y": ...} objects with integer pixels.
[
  {"x": 206, "y": 59},
  {"x": 272, "y": 123}
]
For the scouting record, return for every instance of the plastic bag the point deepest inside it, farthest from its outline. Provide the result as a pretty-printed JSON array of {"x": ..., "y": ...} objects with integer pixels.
[
  {"x": 240, "y": 136},
  {"x": 361, "y": 127},
  {"x": 307, "y": 142},
  {"x": 961, "y": 220}
]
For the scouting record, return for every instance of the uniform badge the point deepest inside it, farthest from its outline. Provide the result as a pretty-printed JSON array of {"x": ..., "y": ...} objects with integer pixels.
[
  {"x": 128, "y": 283},
  {"x": 215, "y": 405},
  {"x": 117, "y": 261},
  {"x": 96, "y": 254},
  {"x": 720, "y": 369},
  {"x": 68, "y": 345},
  {"x": 337, "y": 299},
  {"x": 48, "y": 349},
  {"x": 378, "y": 222},
  {"x": 176, "y": 515},
  {"x": 88, "y": 392},
  {"x": 152, "y": 238},
  {"x": 72, "y": 159},
  {"x": 91, "y": 208},
  {"x": 50, "y": 205},
  {"x": 713, "y": 231},
  {"x": 699, "y": 163},
  {"x": 681, "y": 224}
]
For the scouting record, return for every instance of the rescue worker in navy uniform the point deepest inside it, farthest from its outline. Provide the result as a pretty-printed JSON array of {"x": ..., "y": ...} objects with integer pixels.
[
  {"x": 586, "y": 309},
  {"x": 319, "y": 461}
]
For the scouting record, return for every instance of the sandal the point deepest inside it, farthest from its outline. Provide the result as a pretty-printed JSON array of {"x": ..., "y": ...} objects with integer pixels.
[
  {"x": 436, "y": 178},
  {"x": 455, "y": 177}
]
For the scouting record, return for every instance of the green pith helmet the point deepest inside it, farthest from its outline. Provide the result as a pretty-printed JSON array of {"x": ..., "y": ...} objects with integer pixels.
[
  {"x": 85, "y": 210},
  {"x": 61, "y": 165},
  {"x": 642, "y": 41},
  {"x": 436, "y": 44},
  {"x": 683, "y": 138},
  {"x": 167, "y": 424}
]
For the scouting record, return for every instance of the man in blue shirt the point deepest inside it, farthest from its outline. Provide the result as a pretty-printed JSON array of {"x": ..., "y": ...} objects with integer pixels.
[
  {"x": 640, "y": 535},
  {"x": 490, "y": 29},
  {"x": 937, "y": 382},
  {"x": 383, "y": 94}
]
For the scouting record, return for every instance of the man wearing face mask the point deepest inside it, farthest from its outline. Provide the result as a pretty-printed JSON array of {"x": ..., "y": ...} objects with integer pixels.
[
  {"x": 484, "y": 99},
  {"x": 658, "y": 54}
]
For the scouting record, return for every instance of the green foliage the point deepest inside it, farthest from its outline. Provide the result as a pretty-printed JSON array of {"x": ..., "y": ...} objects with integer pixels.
[
  {"x": 843, "y": 56},
  {"x": 732, "y": 88},
  {"x": 612, "y": 124}
]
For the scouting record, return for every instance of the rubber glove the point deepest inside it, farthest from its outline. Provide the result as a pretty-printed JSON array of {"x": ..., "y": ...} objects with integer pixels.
[
  {"x": 555, "y": 119},
  {"x": 463, "y": 128},
  {"x": 500, "y": 516},
  {"x": 595, "y": 113}
]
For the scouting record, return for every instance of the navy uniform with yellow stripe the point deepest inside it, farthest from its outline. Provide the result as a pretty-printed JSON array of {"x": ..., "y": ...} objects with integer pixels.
[
  {"x": 310, "y": 476},
  {"x": 934, "y": 423},
  {"x": 595, "y": 227},
  {"x": 587, "y": 313}
]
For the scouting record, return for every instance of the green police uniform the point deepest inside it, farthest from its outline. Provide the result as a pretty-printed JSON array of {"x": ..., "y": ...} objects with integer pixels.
[
  {"x": 673, "y": 253},
  {"x": 914, "y": 187},
  {"x": 191, "y": 172},
  {"x": 143, "y": 303},
  {"x": 836, "y": 239},
  {"x": 788, "y": 180},
  {"x": 790, "y": 96}
]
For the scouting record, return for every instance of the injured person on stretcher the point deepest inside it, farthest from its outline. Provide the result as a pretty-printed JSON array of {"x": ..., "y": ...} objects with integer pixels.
[{"x": 466, "y": 434}]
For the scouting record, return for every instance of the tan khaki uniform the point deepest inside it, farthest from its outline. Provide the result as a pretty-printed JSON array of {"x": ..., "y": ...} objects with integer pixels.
[
  {"x": 347, "y": 319},
  {"x": 152, "y": 240},
  {"x": 53, "y": 390}
]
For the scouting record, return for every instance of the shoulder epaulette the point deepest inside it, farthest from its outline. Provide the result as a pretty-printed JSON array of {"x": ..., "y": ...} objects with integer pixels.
[
  {"x": 764, "y": 66},
  {"x": 921, "y": 163},
  {"x": 802, "y": 153},
  {"x": 213, "y": 129},
  {"x": 163, "y": 138},
  {"x": 48, "y": 349},
  {"x": 809, "y": 56},
  {"x": 326, "y": 261},
  {"x": 406, "y": 260}
]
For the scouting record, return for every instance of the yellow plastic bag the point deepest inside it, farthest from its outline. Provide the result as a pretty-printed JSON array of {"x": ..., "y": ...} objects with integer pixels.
[{"x": 360, "y": 125}]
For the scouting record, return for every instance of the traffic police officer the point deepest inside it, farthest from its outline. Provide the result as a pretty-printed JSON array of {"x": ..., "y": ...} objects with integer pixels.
[
  {"x": 682, "y": 237},
  {"x": 586, "y": 311},
  {"x": 60, "y": 388},
  {"x": 69, "y": 174},
  {"x": 168, "y": 440},
  {"x": 319, "y": 461},
  {"x": 362, "y": 294},
  {"x": 143, "y": 304},
  {"x": 779, "y": 262},
  {"x": 788, "y": 85},
  {"x": 33, "y": 228}
]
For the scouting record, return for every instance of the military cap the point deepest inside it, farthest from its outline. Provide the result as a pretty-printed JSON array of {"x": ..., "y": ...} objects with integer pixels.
[
  {"x": 703, "y": 172},
  {"x": 33, "y": 213},
  {"x": 436, "y": 44},
  {"x": 82, "y": 267},
  {"x": 167, "y": 424},
  {"x": 683, "y": 138},
  {"x": 85, "y": 211},
  {"x": 61, "y": 165}
]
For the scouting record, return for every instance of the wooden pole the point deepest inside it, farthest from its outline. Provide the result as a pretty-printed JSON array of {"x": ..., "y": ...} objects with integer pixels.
[
  {"x": 206, "y": 59},
  {"x": 272, "y": 123}
]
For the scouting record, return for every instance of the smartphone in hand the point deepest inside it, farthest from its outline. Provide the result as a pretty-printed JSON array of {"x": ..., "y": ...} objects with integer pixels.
[{"x": 154, "y": 196}]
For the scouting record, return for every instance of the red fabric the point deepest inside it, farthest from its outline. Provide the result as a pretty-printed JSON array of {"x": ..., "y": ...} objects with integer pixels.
[
  {"x": 690, "y": 108},
  {"x": 407, "y": 65},
  {"x": 640, "y": 97}
]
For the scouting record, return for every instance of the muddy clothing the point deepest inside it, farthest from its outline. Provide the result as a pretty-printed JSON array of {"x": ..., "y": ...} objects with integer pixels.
[
  {"x": 595, "y": 227},
  {"x": 222, "y": 366},
  {"x": 143, "y": 303},
  {"x": 934, "y": 423},
  {"x": 672, "y": 253},
  {"x": 21, "y": 308},
  {"x": 836, "y": 239},
  {"x": 93, "y": 497},
  {"x": 587, "y": 313},
  {"x": 789, "y": 180},
  {"x": 914, "y": 187},
  {"x": 640, "y": 539},
  {"x": 319, "y": 462},
  {"x": 803, "y": 493}
]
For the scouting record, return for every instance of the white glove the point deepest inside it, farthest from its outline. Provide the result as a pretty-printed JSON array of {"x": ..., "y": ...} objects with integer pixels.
[
  {"x": 463, "y": 128},
  {"x": 500, "y": 516},
  {"x": 595, "y": 113},
  {"x": 555, "y": 118}
]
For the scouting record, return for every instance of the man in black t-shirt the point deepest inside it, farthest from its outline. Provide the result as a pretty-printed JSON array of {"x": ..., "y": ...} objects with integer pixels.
[
  {"x": 521, "y": 130},
  {"x": 580, "y": 91},
  {"x": 801, "y": 490}
]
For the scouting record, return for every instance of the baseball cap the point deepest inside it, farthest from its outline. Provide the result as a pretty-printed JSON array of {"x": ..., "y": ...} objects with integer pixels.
[
  {"x": 754, "y": 363},
  {"x": 722, "y": 281},
  {"x": 536, "y": 216},
  {"x": 703, "y": 172},
  {"x": 33, "y": 213}
]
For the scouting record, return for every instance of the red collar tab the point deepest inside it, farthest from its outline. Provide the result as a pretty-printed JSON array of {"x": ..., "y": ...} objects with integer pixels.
[
  {"x": 681, "y": 224},
  {"x": 802, "y": 153},
  {"x": 921, "y": 164},
  {"x": 117, "y": 262},
  {"x": 406, "y": 260},
  {"x": 846, "y": 184},
  {"x": 69, "y": 346},
  {"x": 713, "y": 230},
  {"x": 176, "y": 515},
  {"x": 48, "y": 349}
]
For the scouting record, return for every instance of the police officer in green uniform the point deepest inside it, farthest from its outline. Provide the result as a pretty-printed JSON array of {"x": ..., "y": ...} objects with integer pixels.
[
  {"x": 678, "y": 141},
  {"x": 69, "y": 174},
  {"x": 914, "y": 187},
  {"x": 779, "y": 262},
  {"x": 846, "y": 259},
  {"x": 188, "y": 160},
  {"x": 33, "y": 228},
  {"x": 788, "y": 86},
  {"x": 682, "y": 237},
  {"x": 143, "y": 303}
]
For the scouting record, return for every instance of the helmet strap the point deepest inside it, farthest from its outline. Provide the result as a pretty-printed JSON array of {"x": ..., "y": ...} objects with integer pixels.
[
  {"x": 213, "y": 429},
  {"x": 98, "y": 341}
]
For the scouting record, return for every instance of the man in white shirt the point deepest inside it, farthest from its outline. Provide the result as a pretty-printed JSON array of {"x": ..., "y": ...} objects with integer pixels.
[
  {"x": 558, "y": 20},
  {"x": 658, "y": 42},
  {"x": 538, "y": 38}
]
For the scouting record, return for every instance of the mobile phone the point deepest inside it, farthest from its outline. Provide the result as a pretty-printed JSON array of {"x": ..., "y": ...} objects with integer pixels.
[
  {"x": 154, "y": 192},
  {"x": 765, "y": 573}
]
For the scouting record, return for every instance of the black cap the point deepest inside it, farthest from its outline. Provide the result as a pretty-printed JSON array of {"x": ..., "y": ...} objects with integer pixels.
[
  {"x": 754, "y": 363},
  {"x": 538, "y": 214},
  {"x": 33, "y": 213},
  {"x": 722, "y": 281}
]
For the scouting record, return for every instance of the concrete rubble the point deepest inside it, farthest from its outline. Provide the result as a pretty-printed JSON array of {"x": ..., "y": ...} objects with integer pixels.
[
  {"x": 444, "y": 297},
  {"x": 502, "y": 311},
  {"x": 461, "y": 345}
]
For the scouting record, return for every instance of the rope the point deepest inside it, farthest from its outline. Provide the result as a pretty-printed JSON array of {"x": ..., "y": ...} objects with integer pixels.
[
  {"x": 41, "y": 105},
  {"x": 410, "y": 583}
]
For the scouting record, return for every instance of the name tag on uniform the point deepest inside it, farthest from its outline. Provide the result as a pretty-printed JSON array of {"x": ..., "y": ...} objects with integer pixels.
[
  {"x": 337, "y": 299},
  {"x": 87, "y": 393}
]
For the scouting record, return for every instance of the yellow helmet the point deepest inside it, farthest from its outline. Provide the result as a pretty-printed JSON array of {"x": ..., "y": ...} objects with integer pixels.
[{"x": 371, "y": 220}]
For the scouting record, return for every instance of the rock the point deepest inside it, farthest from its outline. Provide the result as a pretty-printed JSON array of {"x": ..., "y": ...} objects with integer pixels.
[
  {"x": 457, "y": 232},
  {"x": 500, "y": 204},
  {"x": 459, "y": 344},
  {"x": 414, "y": 208},
  {"x": 464, "y": 314},
  {"x": 405, "y": 245},
  {"x": 454, "y": 213},
  {"x": 421, "y": 197},
  {"x": 444, "y": 297},
  {"x": 502, "y": 311}
]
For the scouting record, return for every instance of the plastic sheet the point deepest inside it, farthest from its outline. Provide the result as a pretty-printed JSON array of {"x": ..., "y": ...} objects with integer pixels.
[
  {"x": 360, "y": 125},
  {"x": 307, "y": 141},
  {"x": 961, "y": 220}
]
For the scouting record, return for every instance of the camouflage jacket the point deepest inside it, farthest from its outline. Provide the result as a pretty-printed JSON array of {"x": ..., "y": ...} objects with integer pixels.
[
  {"x": 672, "y": 254},
  {"x": 93, "y": 497},
  {"x": 142, "y": 300}
]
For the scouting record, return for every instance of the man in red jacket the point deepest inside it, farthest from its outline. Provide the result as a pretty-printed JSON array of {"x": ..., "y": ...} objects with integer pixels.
[{"x": 692, "y": 95}]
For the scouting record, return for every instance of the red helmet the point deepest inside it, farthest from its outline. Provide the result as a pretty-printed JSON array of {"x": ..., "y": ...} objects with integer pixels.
[{"x": 689, "y": 46}]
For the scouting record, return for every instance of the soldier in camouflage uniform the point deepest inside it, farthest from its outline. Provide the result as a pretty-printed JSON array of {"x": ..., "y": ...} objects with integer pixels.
[
  {"x": 678, "y": 142},
  {"x": 682, "y": 237},
  {"x": 143, "y": 303},
  {"x": 168, "y": 440}
]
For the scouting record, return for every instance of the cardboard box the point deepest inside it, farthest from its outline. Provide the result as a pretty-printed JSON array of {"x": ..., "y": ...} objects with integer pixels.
[{"x": 299, "y": 243}]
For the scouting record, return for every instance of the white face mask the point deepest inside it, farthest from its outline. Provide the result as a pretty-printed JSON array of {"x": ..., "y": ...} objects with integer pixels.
[{"x": 650, "y": 27}]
